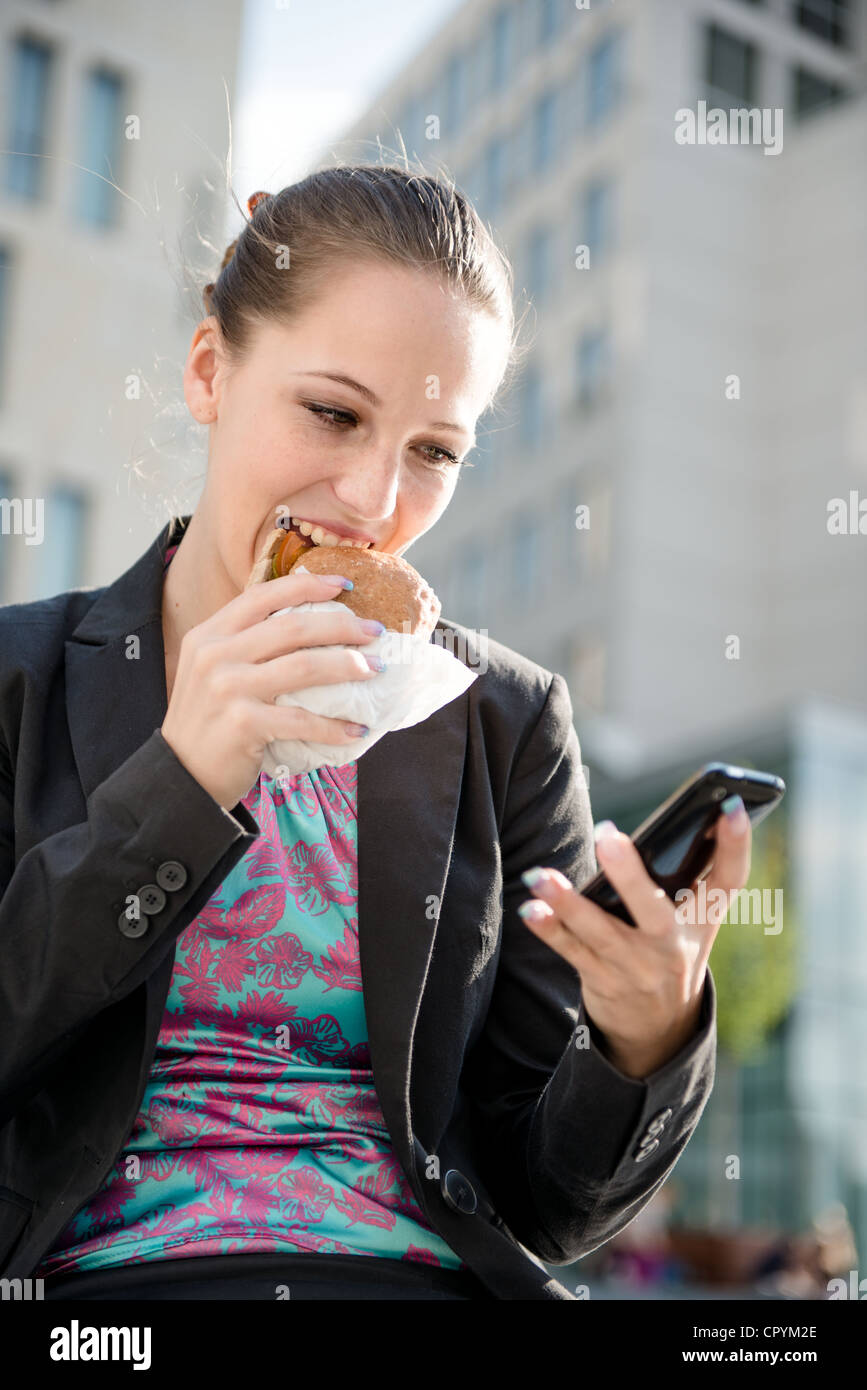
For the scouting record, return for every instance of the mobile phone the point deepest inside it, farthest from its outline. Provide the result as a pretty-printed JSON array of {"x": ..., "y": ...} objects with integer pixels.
[{"x": 676, "y": 842}]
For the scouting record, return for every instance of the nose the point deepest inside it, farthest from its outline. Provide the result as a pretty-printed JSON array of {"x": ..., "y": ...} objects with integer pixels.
[{"x": 368, "y": 490}]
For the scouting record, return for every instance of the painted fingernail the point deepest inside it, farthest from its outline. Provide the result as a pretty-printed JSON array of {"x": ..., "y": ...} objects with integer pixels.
[
  {"x": 735, "y": 810},
  {"x": 338, "y": 579},
  {"x": 371, "y": 625},
  {"x": 534, "y": 877},
  {"x": 607, "y": 840},
  {"x": 533, "y": 912},
  {"x": 376, "y": 663},
  {"x": 357, "y": 730}
]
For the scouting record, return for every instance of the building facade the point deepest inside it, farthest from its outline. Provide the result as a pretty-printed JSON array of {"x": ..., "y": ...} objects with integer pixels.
[{"x": 102, "y": 244}]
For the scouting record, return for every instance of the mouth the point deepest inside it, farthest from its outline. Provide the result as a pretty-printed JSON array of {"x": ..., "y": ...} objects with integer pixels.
[{"x": 311, "y": 534}]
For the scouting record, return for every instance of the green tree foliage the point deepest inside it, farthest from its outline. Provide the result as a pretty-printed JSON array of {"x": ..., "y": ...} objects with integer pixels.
[{"x": 756, "y": 974}]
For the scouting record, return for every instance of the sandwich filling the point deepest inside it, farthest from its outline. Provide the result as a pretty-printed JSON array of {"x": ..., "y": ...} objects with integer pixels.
[{"x": 302, "y": 536}]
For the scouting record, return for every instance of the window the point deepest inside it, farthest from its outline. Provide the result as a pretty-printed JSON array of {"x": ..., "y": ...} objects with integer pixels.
[
  {"x": 544, "y": 131},
  {"x": 27, "y": 119},
  {"x": 604, "y": 78},
  {"x": 61, "y": 559},
  {"x": 594, "y": 365},
  {"x": 526, "y": 555},
  {"x": 597, "y": 228},
  {"x": 538, "y": 263},
  {"x": 5, "y": 275},
  {"x": 531, "y": 421},
  {"x": 502, "y": 47},
  {"x": 410, "y": 123},
  {"x": 495, "y": 176},
  {"x": 456, "y": 94},
  {"x": 827, "y": 19},
  {"x": 550, "y": 17},
  {"x": 98, "y": 201},
  {"x": 731, "y": 66},
  {"x": 812, "y": 93}
]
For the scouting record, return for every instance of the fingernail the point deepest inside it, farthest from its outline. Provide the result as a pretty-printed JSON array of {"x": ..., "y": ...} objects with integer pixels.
[
  {"x": 371, "y": 625},
  {"x": 532, "y": 877},
  {"x": 533, "y": 911},
  {"x": 606, "y": 840},
  {"x": 375, "y": 662},
  {"x": 734, "y": 809},
  {"x": 357, "y": 730},
  {"x": 338, "y": 579}
]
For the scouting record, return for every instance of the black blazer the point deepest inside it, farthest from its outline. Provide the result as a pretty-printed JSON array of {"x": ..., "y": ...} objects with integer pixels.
[{"x": 520, "y": 1145}]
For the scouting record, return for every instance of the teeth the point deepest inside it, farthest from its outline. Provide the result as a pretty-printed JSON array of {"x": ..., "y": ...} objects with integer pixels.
[{"x": 320, "y": 536}]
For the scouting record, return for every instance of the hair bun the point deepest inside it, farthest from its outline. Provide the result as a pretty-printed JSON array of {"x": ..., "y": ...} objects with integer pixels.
[{"x": 255, "y": 199}]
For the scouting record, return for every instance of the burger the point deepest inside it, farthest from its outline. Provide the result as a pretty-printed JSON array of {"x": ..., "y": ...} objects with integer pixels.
[{"x": 386, "y": 587}]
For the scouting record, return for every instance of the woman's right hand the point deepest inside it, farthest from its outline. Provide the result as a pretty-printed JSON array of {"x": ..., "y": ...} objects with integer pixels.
[{"x": 221, "y": 714}]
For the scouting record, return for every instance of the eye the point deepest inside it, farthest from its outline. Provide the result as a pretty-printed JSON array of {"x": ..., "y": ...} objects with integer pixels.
[
  {"x": 330, "y": 414},
  {"x": 446, "y": 456}
]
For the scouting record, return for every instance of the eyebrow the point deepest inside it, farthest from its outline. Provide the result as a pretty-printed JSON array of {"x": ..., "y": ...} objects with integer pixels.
[{"x": 374, "y": 400}]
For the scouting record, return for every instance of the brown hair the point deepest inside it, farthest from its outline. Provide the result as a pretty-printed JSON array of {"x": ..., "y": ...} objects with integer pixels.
[{"x": 345, "y": 213}]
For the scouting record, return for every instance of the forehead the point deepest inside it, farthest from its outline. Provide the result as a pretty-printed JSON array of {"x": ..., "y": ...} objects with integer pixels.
[{"x": 390, "y": 325}]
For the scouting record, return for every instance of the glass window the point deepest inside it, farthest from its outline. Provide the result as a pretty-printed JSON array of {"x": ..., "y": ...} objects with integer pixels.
[
  {"x": 597, "y": 228},
  {"x": 594, "y": 364},
  {"x": 827, "y": 19},
  {"x": 526, "y": 550},
  {"x": 812, "y": 93},
  {"x": 101, "y": 135},
  {"x": 61, "y": 558},
  {"x": 502, "y": 47},
  {"x": 531, "y": 421},
  {"x": 731, "y": 66},
  {"x": 544, "y": 130},
  {"x": 27, "y": 118},
  {"x": 5, "y": 275},
  {"x": 456, "y": 95},
  {"x": 604, "y": 78},
  {"x": 538, "y": 254},
  {"x": 551, "y": 15},
  {"x": 495, "y": 176}
]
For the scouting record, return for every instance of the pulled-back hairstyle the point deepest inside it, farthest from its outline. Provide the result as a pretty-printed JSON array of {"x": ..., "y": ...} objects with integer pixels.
[{"x": 294, "y": 239}]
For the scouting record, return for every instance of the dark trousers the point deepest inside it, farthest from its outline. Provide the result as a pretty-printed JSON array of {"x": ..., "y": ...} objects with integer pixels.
[{"x": 268, "y": 1277}]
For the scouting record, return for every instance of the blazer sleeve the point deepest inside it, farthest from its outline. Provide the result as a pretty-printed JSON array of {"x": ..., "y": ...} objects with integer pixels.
[
  {"x": 63, "y": 956},
  {"x": 574, "y": 1148}
]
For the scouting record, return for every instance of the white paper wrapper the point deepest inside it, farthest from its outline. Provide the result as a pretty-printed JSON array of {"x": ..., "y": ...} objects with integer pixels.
[{"x": 420, "y": 677}]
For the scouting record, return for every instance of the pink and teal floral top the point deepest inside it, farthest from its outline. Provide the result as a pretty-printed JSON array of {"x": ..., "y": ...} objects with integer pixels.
[{"x": 260, "y": 1128}]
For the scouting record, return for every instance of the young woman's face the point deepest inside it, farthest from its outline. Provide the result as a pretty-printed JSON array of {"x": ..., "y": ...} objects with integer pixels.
[{"x": 375, "y": 458}]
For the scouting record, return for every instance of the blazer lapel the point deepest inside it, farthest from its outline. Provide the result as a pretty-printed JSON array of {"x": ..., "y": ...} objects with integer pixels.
[{"x": 408, "y": 790}]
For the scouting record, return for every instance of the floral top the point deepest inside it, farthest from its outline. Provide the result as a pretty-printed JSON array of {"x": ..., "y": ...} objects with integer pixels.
[{"x": 259, "y": 1128}]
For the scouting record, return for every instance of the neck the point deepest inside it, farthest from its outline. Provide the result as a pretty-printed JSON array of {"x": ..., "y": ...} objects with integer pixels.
[{"x": 196, "y": 584}]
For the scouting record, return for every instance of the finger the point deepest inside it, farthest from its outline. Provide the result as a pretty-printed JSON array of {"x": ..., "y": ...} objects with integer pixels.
[
  {"x": 599, "y": 931},
  {"x": 260, "y": 600},
  {"x": 734, "y": 835},
  {"x": 545, "y": 923},
  {"x": 650, "y": 906}
]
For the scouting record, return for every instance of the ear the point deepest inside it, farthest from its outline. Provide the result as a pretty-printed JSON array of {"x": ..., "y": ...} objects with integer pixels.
[{"x": 201, "y": 381}]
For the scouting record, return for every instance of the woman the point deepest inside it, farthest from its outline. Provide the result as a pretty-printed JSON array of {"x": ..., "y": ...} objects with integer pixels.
[{"x": 338, "y": 1051}]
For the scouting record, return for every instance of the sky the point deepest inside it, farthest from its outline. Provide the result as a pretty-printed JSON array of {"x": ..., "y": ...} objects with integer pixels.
[{"x": 308, "y": 68}]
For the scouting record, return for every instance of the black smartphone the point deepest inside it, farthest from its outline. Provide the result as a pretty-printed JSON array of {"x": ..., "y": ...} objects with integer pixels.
[{"x": 676, "y": 842}]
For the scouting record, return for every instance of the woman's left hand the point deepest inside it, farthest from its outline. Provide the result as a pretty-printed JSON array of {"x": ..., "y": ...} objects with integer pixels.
[{"x": 642, "y": 986}]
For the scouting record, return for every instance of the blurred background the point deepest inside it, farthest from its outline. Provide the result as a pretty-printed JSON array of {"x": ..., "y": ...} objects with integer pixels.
[{"x": 654, "y": 509}]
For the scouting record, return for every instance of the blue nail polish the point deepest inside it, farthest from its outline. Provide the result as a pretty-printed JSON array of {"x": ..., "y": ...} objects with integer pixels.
[
  {"x": 348, "y": 584},
  {"x": 532, "y": 876},
  {"x": 732, "y": 805}
]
